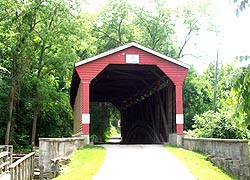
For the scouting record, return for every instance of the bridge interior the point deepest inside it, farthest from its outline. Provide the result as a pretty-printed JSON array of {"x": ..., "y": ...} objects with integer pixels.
[{"x": 144, "y": 95}]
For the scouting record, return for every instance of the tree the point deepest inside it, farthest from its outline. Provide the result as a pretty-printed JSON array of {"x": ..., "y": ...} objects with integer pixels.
[
  {"x": 193, "y": 18},
  {"x": 38, "y": 47},
  {"x": 197, "y": 96},
  {"x": 112, "y": 26},
  {"x": 242, "y": 93},
  {"x": 48, "y": 56},
  {"x": 16, "y": 31},
  {"x": 4, "y": 87},
  {"x": 156, "y": 28},
  {"x": 223, "y": 123},
  {"x": 242, "y": 81}
]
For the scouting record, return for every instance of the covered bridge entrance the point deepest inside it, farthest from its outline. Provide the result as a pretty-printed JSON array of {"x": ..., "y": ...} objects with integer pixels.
[{"x": 144, "y": 85}]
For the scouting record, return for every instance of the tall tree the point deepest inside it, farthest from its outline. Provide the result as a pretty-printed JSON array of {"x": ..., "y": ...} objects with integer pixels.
[
  {"x": 15, "y": 32},
  {"x": 38, "y": 44},
  {"x": 242, "y": 93},
  {"x": 242, "y": 82},
  {"x": 156, "y": 28},
  {"x": 53, "y": 54},
  {"x": 112, "y": 26}
]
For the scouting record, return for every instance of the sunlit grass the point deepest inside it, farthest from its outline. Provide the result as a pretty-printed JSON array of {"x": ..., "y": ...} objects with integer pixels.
[
  {"x": 84, "y": 164},
  {"x": 198, "y": 165}
]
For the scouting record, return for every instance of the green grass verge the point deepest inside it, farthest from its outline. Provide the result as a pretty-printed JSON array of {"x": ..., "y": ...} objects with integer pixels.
[
  {"x": 84, "y": 163},
  {"x": 198, "y": 165}
]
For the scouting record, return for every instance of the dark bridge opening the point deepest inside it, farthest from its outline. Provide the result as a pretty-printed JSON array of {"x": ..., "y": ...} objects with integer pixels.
[{"x": 144, "y": 96}]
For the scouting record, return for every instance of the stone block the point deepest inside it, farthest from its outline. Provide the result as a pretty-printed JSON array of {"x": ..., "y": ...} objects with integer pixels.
[{"x": 175, "y": 139}]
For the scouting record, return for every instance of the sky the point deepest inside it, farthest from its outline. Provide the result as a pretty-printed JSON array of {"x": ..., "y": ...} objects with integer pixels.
[{"x": 234, "y": 38}]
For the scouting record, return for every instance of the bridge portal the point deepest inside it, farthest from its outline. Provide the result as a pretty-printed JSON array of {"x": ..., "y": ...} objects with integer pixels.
[{"x": 144, "y": 85}]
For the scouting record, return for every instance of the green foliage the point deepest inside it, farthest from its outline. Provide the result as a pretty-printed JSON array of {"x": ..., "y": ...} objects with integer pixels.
[
  {"x": 156, "y": 30},
  {"x": 242, "y": 93},
  {"x": 103, "y": 121},
  {"x": 123, "y": 21},
  {"x": 100, "y": 121},
  {"x": 198, "y": 91},
  {"x": 4, "y": 87},
  {"x": 218, "y": 125},
  {"x": 232, "y": 92},
  {"x": 38, "y": 48},
  {"x": 112, "y": 27},
  {"x": 197, "y": 96}
]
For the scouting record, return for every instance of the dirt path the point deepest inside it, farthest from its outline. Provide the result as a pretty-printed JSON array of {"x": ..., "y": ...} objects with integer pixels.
[{"x": 141, "y": 162}]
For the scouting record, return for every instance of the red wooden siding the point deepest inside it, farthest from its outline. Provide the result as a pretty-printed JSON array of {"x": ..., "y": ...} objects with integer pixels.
[
  {"x": 90, "y": 70},
  {"x": 178, "y": 91},
  {"x": 85, "y": 96}
]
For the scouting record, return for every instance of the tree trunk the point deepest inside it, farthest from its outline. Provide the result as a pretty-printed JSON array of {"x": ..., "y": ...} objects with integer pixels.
[
  {"x": 36, "y": 104},
  {"x": 11, "y": 100},
  {"x": 215, "y": 81},
  {"x": 33, "y": 136},
  {"x": 7, "y": 135}
]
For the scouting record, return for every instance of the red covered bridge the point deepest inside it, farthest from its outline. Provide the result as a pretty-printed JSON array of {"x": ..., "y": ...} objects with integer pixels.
[{"x": 144, "y": 85}]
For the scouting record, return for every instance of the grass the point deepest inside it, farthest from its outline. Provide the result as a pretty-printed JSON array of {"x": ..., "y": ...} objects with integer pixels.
[
  {"x": 198, "y": 165},
  {"x": 84, "y": 163}
]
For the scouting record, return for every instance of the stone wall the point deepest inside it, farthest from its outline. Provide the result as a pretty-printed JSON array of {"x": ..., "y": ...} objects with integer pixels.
[
  {"x": 175, "y": 139},
  {"x": 231, "y": 155},
  {"x": 50, "y": 148}
]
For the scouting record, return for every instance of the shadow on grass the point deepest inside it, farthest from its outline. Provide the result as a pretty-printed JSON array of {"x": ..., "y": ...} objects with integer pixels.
[{"x": 91, "y": 147}]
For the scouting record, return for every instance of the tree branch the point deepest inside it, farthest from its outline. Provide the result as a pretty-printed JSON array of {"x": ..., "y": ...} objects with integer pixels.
[
  {"x": 106, "y": 34},
  {"x": 188, "y": 55},
  {"x": 187, "y": 38},
  {"x": 119, "y": 32}
]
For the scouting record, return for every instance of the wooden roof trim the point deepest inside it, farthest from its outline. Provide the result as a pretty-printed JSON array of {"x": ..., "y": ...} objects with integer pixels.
[{"x": 112, "y": 51}]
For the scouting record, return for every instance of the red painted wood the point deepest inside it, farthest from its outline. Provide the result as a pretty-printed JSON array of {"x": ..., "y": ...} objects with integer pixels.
[
  {"x": 85, "y": 104},
  {"x": 179, "y": 109},
  {"x": 179, "y": 129},
  {"x": 90, "y": 70},
  {"x": 178, "y": 98},
  {"x": 85, "y": 129},
  {"x": 85, "y": 97}
]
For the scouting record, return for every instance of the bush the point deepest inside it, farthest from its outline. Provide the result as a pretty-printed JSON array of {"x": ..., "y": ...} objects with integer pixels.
[{"x": 218, "y": 125}]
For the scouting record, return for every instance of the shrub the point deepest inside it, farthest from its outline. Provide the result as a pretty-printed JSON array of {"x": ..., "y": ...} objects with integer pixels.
[{"x": 218, "y": 125}]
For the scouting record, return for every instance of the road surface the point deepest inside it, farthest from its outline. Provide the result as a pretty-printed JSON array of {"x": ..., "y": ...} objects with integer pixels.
[{"x": 141, "y": 162}]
